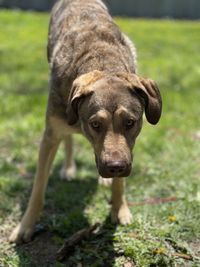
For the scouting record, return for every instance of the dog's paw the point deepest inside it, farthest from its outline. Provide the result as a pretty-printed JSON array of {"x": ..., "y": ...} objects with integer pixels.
[
  {"x": 21, "y": 234},
  {"x": 68, "y": 173},
  {"x": 122, "y": 216},
  {"x": 105, "y": 181}
]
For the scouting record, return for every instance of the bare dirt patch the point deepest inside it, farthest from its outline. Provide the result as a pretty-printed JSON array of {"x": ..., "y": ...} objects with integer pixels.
[{"x": 42, "y": 250}]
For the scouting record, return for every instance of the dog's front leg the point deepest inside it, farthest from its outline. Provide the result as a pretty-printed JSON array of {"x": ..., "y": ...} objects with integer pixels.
[
  {"x": 120, "y": 212},
  {"x": 48, "y": 148}
]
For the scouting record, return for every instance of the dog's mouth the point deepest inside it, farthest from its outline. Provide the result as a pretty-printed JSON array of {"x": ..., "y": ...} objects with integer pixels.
[{"x": 111, "y": 169}]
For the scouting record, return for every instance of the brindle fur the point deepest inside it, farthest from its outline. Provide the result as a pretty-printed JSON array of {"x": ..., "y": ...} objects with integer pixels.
[{"x": 92, "y": 80}]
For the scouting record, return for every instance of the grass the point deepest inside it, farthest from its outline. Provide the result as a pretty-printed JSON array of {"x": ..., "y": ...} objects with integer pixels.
[{"x": 166, "y": 162}]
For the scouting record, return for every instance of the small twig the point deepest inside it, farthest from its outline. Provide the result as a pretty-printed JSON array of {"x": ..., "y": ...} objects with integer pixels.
[
  {"x": 177, "y": 247},
  {"x": 183, "y": 256},
  {"x": 69, "y": 245},
  {"x": 180, "y": 251},
  {"x": 153, "y": 201}
]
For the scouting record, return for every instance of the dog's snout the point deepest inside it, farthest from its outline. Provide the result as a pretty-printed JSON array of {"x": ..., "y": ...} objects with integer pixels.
[{"x": 115, "y": 168}]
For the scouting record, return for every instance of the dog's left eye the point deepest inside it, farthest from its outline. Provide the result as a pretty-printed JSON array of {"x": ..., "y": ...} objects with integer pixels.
[
  {"x": 129, "y": 124},
  {"x": 95, "y": 125}
]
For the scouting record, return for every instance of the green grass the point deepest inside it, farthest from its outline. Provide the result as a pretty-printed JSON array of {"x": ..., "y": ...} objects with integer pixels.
[{"x": 166, "y": 162}]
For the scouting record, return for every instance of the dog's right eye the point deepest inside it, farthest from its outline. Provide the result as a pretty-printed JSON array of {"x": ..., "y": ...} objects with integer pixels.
[
  {"x": 95, "y": 125},
  {"x": 129, "y": 124}
]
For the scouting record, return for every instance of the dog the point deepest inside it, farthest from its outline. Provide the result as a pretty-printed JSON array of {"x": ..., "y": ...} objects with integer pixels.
[{"x": 95, "y": 91}]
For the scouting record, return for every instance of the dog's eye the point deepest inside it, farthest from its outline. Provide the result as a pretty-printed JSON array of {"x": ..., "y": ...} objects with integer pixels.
[
  {"x": 129, "y": 124},
  {"x": 95, "y": 125}
]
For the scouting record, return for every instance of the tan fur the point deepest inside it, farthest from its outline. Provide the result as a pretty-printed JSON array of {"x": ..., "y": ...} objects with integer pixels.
[{"x": 94, "y": 90}]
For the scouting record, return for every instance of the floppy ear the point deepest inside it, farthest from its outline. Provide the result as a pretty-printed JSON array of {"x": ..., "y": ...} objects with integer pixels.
[
  {"x": 81, "y": 87},
  {"x": 148, "y": 90}
]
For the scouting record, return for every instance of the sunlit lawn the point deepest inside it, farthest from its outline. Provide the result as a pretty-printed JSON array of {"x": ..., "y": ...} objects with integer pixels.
[{"x": 166, "y": 161}]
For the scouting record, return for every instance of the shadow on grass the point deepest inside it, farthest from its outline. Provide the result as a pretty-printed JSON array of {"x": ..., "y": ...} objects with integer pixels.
[{"x": 64, "y": 215}]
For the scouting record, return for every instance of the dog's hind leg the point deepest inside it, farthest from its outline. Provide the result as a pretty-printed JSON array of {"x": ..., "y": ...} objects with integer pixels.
[
  {"x": 48, "y": 148},
  {"x": 120, "y": 212},
  {"x": 68, "y": 170}
]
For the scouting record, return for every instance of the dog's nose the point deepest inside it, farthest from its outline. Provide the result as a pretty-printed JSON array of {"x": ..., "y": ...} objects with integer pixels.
[{"x": 116, "y": 168}]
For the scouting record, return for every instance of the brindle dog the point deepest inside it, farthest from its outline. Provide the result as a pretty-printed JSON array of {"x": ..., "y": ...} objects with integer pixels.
[{"x": 94, "y": 90}]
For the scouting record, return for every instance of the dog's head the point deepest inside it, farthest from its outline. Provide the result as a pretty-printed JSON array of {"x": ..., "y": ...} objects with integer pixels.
[{"x": 110, "y": 109}]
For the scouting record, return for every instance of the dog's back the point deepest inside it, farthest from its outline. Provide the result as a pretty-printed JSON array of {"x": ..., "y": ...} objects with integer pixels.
[{"x": 83, "y": 37}]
